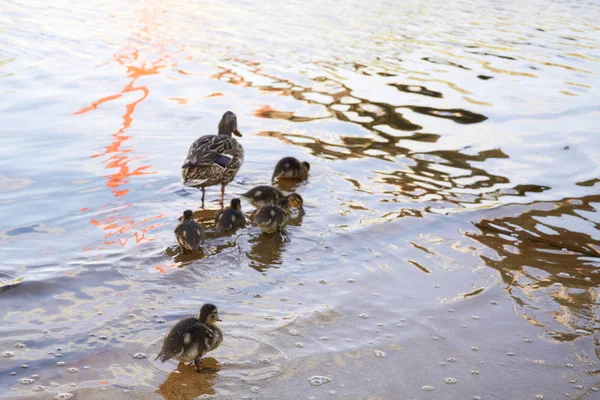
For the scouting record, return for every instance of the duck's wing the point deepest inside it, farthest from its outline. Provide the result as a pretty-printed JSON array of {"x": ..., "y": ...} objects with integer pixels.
[
  {"x": 211, "y": 150},
  {"x": 179, "y": 339}
]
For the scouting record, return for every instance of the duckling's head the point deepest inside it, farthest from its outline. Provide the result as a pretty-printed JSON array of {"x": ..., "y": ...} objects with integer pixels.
[
  {"x": 236, "y": 204},
  {"x": 296, "y": 201},
  {"x": 306, "y": 166},
  {"x": 228, "y": 125},
  {"x": 284, "y": 204},
  {"x": 209, "y": 314},
  {"x": 187, "y": 215}
]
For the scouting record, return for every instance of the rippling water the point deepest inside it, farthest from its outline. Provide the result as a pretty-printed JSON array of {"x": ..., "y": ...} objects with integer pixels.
[{"x": 451, "y": 227}]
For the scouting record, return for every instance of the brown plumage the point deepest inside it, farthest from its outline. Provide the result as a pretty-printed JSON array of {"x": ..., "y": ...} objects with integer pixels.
[
  {"x": 291, "y": 168},
  {"x": 189, "y": 233},
  {"x": 261, "y": 196},
  {"x": 272, "y": 219},
  {"x": 214, "y": 159},
  {"x": 191, "y": 338},
  {"x": 231, "y": 217}
]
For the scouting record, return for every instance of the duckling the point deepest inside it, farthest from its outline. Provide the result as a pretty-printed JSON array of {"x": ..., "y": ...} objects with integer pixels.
[
  {"x": 261, "y": 196},
  {"x": 189, "y": 233},
  {"x": 231, "y": 217},
  {"x": 271, "y": 219},
  {"x": 191, "y": 338},
  {"x": 214, "y": 159},
  {"x": 291, "y": 168}
]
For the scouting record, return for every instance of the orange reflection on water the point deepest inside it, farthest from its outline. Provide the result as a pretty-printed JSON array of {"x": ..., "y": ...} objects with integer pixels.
[{"x": 145, "y": 54}]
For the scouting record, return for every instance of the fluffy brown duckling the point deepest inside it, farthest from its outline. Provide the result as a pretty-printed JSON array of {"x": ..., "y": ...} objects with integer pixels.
[
  {"x": 291, "y": 168},
  {"x": 191, "y": 338},
  {"x": 189, "y": 233},
  {"x": 272, "y": 219},
  {"x": 231, "y": 217},
  {"x": 261, "y": 196}
]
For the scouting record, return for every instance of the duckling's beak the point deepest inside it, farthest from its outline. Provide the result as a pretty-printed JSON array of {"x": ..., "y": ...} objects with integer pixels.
[
  {"x": 237, "y": 133},
  {"x": 219, "y": 319},
  {"x": 301, "y": 211}
]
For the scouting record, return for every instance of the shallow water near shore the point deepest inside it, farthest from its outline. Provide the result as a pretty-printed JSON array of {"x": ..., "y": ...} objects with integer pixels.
[{"x": 451, "y": 242}]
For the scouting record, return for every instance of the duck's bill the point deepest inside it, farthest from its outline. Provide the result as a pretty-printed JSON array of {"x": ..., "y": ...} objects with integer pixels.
[
  {"x": 237, "y": 133},
  {"x": 219, "y": 319}
]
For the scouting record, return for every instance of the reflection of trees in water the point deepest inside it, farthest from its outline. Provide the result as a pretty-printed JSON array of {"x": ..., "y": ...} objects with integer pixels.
[
  {"x": 437, "y": 175},
  {"x": 550, "y": 253}
]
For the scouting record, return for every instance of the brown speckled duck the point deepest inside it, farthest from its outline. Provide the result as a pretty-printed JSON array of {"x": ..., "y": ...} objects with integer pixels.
[
  {"x": 231, "y": 217},
  {"x": 189, "y": 233},
  {"x": 272, "y": 219},
  {"x": 291, "y": 168},
  {"x": 261, "y": 196},
  {"x": 191, "y": 338},
  {"x": 214, "y": 159}
]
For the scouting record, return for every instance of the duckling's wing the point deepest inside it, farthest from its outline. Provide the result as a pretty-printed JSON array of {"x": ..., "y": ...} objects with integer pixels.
[
  {"x": 264, "y": 193},
  {"x": 194, "y": 234},
  {"x": 265, "y": 215},
  {"x": 179, "y": 339},
  {"x": 179, "y": 235},
  {"x": 240, "y": 220},
  {"x": 211, "y": 150}
]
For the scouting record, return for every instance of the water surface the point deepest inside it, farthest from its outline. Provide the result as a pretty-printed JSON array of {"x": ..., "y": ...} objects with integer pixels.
[{"x": 451, "y": 239}]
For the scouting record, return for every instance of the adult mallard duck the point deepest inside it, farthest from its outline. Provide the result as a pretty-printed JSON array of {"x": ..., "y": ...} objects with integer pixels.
[
  {"x": 191, "y": 338},
  {"x": 214, "y": 159},
  {"x": 272, "y": 219},
  {"x": 261, "y": 196},
  {"x": 189, "y": 233},
  {"x": 231, "y": 217},
  {"x": 291, "y": 168}
]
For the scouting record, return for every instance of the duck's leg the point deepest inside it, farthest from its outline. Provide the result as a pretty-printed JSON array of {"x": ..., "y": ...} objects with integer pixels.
[
  {"x": 222, "y": 194},
  {"x": 198, "y": 363},
  {"x": 203, "y": 190}
]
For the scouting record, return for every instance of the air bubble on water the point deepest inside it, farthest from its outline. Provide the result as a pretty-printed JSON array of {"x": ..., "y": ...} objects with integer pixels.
[
  {"x": 60, "y": 363},
  {"x": 160, "y": 321},
  {"x": 402, "y": 320},
  {"x": 594, "y": 389},
  {"x": 389, "y": 335},
  {"x": 39, "y": 388},
  {"x": 475, "y": 317},
  {"x": 379, "y": 353},
  {"x": 474, "y": 372},
  {"x": 443, "y": 364},
  {"x": 510, "y": 354},
  {"x": 87, "y": 367},
  {"x": 539, "y": 397},
  {"x": 8, "y": 354},
  {"x": 450, "y": 381},
  {"x": 72, "y": 384},
  {"x": 435, "y": 338},
  {"x": 19, "y": 345},
  {"x": 527, "y": 340},
  {"x": 437, "y": 286},
  {"x": 451, "y": 359},
  {"x": 59, "y": 349},
  {"x": 322, "y": 281},
  {"x": 254, "y": 390},
  {"x": 131, "y": 316},
  {"x": 563, "y": 275},
  {"x": 476, "y": 397},
  {"x": 53, "y": 384},
  {"x": 363, "y": 316},
  {"x": 26, "y": 381},
  {"x": 73, "y": 370},
  {"x": 451, "y": 310},
  {"x": 578, "y": 387},
  {"x": 13, "y": 373},
  {"x": 465, "y": 325},
  {"x": 324, "y": 337},
  {"x": 63, "y": 396},
  {"x": 400, "y": 325},
  {"x": 428, "y": 388},
  {"x": 569, "y": 365},
  {"x": 205, "y": 396},
  {"x": 284, "y": 299},
  {"x": 293, "y": 332},
  {"x": 348, "y": 340},
  {"x": 140, "y": 356},
  {"x": 350, "y": 280},
  {"x": 582, "y": 332},
  {"x": 270, "y": 318},
  {"x": 299, "y": 345},
  {"x": 494, "y": 302},
  {"x": 34, "y": 376},
  {"x": 430, "y": 317},
  {"x": 379, "y": 324},
  {"x": 58, "y": 355},
  {"x": 265, "y": 360},
  {"x": 474, "y": 348},
  {"x": 103, "y": 337},
  {"x": 572, "y": 380},
  {"x": 24, "y": 366},
  {"x": 319, "y": 380}
]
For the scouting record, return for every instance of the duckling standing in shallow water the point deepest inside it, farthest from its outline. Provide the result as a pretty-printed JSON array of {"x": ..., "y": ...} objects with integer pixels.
[
  {"x": 261, "y": 196},
  {"x": 214, "y": 159},
  {"x": 191, "y": 338},
  {"x": 291, "y": 168},
  {"x": 189, "y": 233},
  {"x": 272, "y": 219},
  {"x": 231, "y": 217}
]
